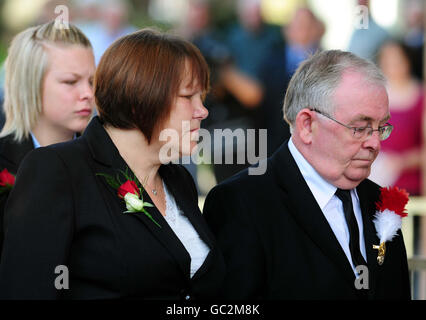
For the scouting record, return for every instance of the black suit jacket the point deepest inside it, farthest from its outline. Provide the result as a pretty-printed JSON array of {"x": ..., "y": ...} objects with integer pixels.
[
  {"x": 61, "y": 213},
  {"x": 277, "y": 243},
  {"x": 11, "y": 155}
]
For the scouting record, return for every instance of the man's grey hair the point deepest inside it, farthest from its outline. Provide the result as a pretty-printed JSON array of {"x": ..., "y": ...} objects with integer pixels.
[{"x": 315, "y": 80}]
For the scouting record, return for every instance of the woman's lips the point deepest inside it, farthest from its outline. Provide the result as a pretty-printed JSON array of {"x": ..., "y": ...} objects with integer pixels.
[{"x": 84, "y": 112}]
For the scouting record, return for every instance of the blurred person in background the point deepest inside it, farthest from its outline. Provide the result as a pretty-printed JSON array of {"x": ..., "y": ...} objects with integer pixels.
[
  {"x": 301, "y": 38},
  {"x": 366, "y": 42},
  {"x": 197, "y": 27},
  {"x": 240, "y": 88},
  {"x": 399, "y": 162},
  {"x": 251, "y": 39},
  {"x": 48, "y": 93},
  {"x": 234, "y": 92},
  {"x": 103, "y": 21},
  {"x": 303, "y": 34},
  {"x": 414, "y": 35},
  {"x": 87, "y": 16}
]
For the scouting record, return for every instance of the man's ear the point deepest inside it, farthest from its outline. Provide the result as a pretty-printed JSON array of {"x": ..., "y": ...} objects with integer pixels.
[{"x": 303, "y": 125}]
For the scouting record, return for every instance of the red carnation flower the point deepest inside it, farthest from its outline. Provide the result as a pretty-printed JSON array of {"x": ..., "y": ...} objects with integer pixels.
[
  {"x": 393, "y": 199},
  {"x": 6, "y": 179},
  {"x": 128, "y": 186}
]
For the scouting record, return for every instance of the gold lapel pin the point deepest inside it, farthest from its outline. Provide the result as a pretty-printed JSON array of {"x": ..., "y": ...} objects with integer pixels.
[{"x": 381, "y": 253}]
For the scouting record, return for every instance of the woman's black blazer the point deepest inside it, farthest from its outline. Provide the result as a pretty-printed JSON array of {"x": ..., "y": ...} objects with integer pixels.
[{"x": 61, "y": 219}]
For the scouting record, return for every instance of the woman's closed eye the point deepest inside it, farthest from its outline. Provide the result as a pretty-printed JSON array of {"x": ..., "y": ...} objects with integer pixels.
[{"x": 70, "y": 82}]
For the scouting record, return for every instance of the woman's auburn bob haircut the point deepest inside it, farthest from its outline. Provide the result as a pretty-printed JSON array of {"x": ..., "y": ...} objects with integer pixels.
[{"x": 138, "y": 79}]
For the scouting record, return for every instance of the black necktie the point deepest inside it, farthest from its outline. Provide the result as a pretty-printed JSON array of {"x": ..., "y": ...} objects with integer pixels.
[{"x": 345, "y": 197}]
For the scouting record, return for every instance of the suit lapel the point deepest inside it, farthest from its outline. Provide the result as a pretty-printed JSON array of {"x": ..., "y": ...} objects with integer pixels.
[
  {"x": 302, "y": 205},
  {"x": 165, "y": 235},
  {"x": 108, "y": 160}
]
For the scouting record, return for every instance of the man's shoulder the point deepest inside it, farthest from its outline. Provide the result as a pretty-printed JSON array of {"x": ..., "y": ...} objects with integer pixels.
[
  {"x": 244, "y": 185},
  {"x": 251, "y": 175}
]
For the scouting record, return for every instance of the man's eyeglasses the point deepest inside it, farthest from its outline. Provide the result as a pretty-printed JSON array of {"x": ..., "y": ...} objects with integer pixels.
[{"x": 362, "y": 133}]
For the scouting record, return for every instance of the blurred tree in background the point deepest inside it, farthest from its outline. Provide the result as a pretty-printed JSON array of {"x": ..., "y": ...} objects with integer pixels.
[{"x": 3, "y": 40}]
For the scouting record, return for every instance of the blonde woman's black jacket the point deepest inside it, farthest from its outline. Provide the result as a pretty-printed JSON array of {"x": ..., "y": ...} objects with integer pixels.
[
  {"x": 61, "y": 213},
  {"x": 11, "y": 155}
]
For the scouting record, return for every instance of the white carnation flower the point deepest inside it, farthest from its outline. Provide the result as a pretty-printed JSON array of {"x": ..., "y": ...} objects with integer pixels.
[{"x": 133, "y": 203}]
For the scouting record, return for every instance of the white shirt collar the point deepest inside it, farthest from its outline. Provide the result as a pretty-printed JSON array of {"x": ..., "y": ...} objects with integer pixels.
[
  {"x": 322, "y": 190},
  {"x": 37, "y": 144}
]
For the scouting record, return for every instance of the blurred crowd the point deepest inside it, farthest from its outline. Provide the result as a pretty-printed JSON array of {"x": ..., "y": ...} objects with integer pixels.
[{"x": 251, "y": 63}]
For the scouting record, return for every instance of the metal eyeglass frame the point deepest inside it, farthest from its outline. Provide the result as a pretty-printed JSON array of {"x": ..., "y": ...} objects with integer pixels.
[{"x": 381, "y": 129}]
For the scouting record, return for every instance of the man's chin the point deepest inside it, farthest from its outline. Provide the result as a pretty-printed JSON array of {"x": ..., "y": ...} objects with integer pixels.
[{"x": 356, "y": 176}]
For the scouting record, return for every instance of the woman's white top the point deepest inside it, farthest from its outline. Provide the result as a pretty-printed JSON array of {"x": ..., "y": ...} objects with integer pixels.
[{"x": 186, "y": 233}]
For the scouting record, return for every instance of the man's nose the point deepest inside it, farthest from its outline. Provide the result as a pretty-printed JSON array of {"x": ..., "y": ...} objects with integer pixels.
[{"x": 373, "y": 141}]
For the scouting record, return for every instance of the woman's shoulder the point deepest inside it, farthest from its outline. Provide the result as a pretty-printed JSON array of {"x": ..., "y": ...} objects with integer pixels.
[
  {"x": 9, "y": 140},
  {"x": 68, "y": 153},
  {"x": 12, "y": 151},
  {"x": 71, "y": 149}
]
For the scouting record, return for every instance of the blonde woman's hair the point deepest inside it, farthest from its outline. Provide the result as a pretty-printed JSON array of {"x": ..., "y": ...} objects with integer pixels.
[{"x": 25, "y": 67}]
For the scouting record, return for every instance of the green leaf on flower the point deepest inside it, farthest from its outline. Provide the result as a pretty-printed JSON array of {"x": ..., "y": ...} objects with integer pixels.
[
  {"x": 110, "y": 180},
  {"x": 115, "y": 182},
  {"x": 147, "y": 204},
  {"x": 5, "y": 189},
  {"x": 149, "y": 216}
]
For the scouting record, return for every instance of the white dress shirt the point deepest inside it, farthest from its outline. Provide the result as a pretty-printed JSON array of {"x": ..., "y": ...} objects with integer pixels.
[
  {"x": 330, "y": 204},
  {"x": 37, "y": 144},
  {"x": 186, "y": 233}
]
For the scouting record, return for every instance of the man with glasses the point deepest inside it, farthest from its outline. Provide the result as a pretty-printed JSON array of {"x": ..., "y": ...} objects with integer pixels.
[{"x": 304, "y": 230}]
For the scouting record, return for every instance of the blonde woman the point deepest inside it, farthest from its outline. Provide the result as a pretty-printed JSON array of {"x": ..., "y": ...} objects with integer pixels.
[{"x": 48, "y": 95}]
